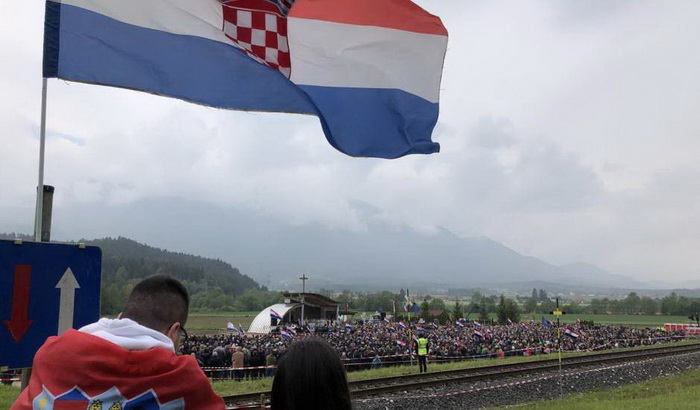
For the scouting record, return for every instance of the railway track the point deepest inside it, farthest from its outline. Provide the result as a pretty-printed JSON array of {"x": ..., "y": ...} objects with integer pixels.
[{"x": 372, "y": 387}]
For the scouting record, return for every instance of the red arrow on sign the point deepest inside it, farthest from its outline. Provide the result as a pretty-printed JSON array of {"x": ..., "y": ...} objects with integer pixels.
[{"x": 19, "y": 323}]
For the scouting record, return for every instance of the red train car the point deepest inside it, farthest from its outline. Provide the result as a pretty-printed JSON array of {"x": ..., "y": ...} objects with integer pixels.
[{"x": 689, "y": 329}]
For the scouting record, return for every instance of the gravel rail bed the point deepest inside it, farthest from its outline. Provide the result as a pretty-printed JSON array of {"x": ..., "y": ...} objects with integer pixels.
[{"x": 532, "y": 387}]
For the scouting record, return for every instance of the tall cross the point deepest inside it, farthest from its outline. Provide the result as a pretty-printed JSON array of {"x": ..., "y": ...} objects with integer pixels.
[
  {"x": 303, "y": 279},
  {"x": 303, "y": 290}
]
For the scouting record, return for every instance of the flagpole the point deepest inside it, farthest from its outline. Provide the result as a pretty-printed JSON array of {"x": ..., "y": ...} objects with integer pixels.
[
  {"x": 38, "y": 214},
  {"x": 38, "y": 222},
  {"x": 561, "y": 380},
  {"x": 410, "y": 341}
]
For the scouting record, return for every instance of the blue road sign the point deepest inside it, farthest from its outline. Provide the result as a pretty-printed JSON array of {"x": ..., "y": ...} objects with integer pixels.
[{"x": 45, "y": 289}]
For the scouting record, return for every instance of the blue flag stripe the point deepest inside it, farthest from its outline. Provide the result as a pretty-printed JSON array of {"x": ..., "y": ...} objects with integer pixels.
[
  {"x": 101, "y": 50},
  {"x": 85, "y": 46}
]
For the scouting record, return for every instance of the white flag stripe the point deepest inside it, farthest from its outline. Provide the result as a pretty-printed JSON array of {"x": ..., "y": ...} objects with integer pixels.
[
  {"x": 171, "y": 16},
  {"x": 346, "y": 55},
  {"x": 323, "y": 53}
]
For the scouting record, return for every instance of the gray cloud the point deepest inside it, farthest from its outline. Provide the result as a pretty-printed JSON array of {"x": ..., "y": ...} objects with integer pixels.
[{"x": 568, "y": 131}]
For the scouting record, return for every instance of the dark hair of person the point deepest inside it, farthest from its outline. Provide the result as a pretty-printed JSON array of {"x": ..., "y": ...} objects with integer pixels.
[
  {"x": 157, "y": 302},
  {"x": 310, "y": 376}
]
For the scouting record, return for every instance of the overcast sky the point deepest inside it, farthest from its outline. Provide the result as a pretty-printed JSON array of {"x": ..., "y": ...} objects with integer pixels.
[{"x": 569, "y": 131}]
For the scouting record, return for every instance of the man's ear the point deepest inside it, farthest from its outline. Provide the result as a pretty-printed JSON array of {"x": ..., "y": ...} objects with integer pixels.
[{"x": 173, "y": 333}]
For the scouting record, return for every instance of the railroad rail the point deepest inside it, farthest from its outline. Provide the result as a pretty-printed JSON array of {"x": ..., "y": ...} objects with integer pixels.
[{"x": 372, "y": 387}]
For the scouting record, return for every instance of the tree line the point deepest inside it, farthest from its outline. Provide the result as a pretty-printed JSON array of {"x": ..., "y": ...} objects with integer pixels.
[
  {"x": 483, "y": 307},
  {"x": 214, "y": 285},
  {"x": 633, "y": 304}
]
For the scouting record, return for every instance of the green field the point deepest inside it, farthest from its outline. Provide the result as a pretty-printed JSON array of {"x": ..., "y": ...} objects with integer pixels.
[
  {"x": 677, "y": 392},
  {"x": 628, "y": 320},
  {"x": 215, "y": 322}
]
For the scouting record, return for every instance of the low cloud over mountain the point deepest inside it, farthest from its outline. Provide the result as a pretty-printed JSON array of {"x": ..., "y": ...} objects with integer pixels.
[{"x": 275, "y": 252}]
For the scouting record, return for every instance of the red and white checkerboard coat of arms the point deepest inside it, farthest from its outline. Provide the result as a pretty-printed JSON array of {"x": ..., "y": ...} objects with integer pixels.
[{"x": 259, "y": 27}]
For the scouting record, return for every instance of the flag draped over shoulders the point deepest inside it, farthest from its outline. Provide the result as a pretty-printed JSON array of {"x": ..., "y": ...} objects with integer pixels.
[
  {"x": 81, "y": 370},
  {"x": 369, "y": 69}
]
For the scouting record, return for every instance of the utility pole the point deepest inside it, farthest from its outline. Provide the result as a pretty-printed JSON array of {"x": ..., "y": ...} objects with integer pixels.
[
  {"x": 558, "y": 312},
  {"x": 303, "y": 279}
]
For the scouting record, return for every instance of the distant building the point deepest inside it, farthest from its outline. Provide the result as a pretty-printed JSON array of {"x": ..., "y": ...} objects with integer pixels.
[{"x": 316, "y": 308}]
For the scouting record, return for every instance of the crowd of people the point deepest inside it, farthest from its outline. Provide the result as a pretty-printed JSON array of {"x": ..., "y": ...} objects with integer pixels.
[
  {"x": 144, "y": 357},
  {"x": 377, "y": 343}
]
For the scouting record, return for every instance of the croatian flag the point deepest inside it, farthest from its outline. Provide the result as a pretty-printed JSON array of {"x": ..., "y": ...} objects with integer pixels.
[
  {"x": 275, "y": 315},
  {"x": 477, "y": 324},
  {"x": 570, "y": 332},
  {"x": 285, "y": 334},
  {"x": 478, "y": 334},
  {"x": 401, "y": 343},
  {"x": 402, "y": 326},
  {"x": 369, "y": 69}
]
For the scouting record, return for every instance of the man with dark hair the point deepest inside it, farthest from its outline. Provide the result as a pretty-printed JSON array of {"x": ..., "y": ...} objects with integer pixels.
[
  {"x": 128, "y": 362},
  {"x": 159, "y": 302}
]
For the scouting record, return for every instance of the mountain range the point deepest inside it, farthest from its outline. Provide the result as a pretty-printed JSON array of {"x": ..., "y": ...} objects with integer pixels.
[{"x": 380, "y": 256}]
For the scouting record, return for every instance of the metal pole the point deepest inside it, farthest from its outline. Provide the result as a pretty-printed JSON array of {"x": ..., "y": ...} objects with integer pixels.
[
  {"x": 38, "y": 211},
  {"x": 561, "y": 379},
  {"x": 40, "y": 185},
  {"x": 46, "y": 217},
  {"x": 410, "y": 341},
  {"x": 303, "y": 290}
]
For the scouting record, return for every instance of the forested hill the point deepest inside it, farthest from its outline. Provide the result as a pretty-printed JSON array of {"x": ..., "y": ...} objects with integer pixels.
[
  {"x": 124, "y": 259},
  {"x": 212, "y": 283}
]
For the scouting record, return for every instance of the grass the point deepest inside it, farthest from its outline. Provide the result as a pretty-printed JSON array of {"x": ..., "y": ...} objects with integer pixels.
[
  {"x": 627, "y": 320},
  {"x": 677, "y": 392},
  {"x": 215, "y": 322},
  {"x": 8, "y": 394}
]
